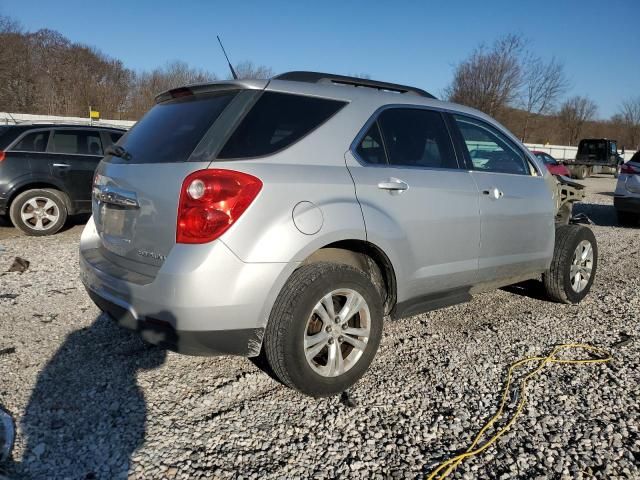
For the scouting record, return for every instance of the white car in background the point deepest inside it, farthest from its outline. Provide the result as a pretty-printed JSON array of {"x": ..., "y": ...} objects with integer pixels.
[{"x": 627, "y": 195}]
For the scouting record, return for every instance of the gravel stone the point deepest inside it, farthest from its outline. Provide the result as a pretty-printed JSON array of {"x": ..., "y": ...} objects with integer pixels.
[{"x": 92, "y": 400}]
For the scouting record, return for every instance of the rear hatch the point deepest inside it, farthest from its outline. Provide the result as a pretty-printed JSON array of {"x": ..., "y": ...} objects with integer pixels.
[{"x": 136, "y": 191}]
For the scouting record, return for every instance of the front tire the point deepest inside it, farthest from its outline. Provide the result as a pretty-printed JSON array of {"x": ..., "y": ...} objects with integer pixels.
[
  {"x": 39, "y": 212},
  {"x": 574, "y": 264},
  {"x": 324, "y": 329}
]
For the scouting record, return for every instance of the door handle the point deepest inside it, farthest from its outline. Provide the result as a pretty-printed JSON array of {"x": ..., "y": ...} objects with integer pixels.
[
  {"x": 61, "y": 165},
  {"x": 494, "y": 193},
  {"x": 394, "y": 185}
]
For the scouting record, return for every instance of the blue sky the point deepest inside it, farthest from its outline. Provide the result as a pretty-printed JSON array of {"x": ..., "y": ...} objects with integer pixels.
[{"x": 411, "y": 42}]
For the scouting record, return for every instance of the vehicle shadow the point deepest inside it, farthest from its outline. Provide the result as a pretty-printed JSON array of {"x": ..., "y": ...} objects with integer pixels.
[
  {"x": 529, "y": 288},
  {"x": 86, "y": 415},
  {"x": 75, "y": 220}
]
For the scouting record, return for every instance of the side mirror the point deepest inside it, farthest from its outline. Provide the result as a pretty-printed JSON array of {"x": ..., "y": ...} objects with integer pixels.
[{"x": 7, "y": 435}]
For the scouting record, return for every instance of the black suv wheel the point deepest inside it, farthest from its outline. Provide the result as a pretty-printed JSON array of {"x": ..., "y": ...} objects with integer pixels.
[{"x": 39, "y": 212}]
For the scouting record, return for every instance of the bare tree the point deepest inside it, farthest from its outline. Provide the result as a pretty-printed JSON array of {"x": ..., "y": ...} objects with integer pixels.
[
  {"x": 146, "y": 85},
  {"x": 544, "y": 83},
  {"x": 630, "y": 119},
  {"x": 490, "y": 78},
  {"x": 574, "y": 113},
  {"x": 247, "y": 70}
]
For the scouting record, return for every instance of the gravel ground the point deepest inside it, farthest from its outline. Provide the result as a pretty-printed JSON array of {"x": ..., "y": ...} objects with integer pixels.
[{"x": 93, "y": 401}]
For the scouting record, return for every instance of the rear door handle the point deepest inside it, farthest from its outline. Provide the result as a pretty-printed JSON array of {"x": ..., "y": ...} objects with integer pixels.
[
  {"x": 394, "y": 185},
  {"x": 61, "y": 165},
  {"x": 494, "y": 193}
]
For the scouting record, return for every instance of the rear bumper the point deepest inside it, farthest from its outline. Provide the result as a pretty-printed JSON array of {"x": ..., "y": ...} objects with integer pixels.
[
  {"x": 627, "y": 204},
  {"x": 202, "y": 301},
  {"x": 244, "y": 342}
]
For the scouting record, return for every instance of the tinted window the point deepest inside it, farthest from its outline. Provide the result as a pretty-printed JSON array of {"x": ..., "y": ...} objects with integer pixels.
[
  {"x": 79, "y": 142},
  {"x": 171, "y": 130},
  {"x": 114, "y": 137},
  {"x": 33, "y": 142},
  {"x": 276, "y": 121},
  {"x": 490, "y": 150},
  {"x": 591, "y": 147},
  {"x": 416, "y": 138},
  {"x": 370, "y": 149}
]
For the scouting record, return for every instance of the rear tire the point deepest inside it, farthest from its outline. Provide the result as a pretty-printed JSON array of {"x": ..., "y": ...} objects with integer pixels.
[
  {"x": 300, "y": 324},
  {"x": 574, "y": 264},
  {"x": 39, "y": 212},
  {"x": 580, "y": 172},
  {"x": 627, "y": 219}
]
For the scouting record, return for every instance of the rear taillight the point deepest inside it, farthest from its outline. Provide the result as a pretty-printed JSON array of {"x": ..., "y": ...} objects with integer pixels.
[
  {"x": 2, "y": 155},
  {"x": 211, "y": 201},
  {"x": 629, "y": 169}
]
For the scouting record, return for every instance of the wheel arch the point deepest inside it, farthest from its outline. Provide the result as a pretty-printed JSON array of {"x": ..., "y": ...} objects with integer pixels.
[
  {"x": 38, "y": 184},
  {"x": 365, "y": 256}
]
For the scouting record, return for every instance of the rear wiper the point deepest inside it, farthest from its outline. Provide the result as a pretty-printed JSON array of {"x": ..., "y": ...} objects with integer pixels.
[{"x": 118, "y": 151}]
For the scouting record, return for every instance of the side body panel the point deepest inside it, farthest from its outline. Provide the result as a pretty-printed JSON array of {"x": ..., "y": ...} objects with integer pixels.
[
  {"x": 431, "y": 231},
  {"x": 518, "y": 229}
]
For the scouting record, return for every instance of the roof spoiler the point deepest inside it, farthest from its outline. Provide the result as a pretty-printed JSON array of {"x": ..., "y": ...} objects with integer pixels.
[
  {"x": 317, "y": 77},
  {"x": 210, "y": 87}
]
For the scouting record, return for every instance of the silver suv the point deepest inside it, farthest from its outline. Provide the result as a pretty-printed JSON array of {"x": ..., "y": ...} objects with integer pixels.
[{"x": 284, "y": 219}]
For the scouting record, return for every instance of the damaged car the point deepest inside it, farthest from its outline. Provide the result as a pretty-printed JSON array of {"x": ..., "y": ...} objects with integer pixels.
[{"x": 285, "y": 219}]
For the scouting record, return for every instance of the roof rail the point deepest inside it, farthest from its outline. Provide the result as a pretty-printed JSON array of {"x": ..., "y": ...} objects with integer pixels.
[{"x": 317, "y": 77}]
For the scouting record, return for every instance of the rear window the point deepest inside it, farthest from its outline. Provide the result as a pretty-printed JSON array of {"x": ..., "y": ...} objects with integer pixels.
[
  {"x": 591, "y": 148},
  {"x": 171, "y": 130},
  {"x": 33, "y": 142},
  {"x": 275, "y": 122}
]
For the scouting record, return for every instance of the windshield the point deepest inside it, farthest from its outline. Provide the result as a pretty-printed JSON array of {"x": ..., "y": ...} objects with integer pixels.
[{"x": 171, "y": 130}]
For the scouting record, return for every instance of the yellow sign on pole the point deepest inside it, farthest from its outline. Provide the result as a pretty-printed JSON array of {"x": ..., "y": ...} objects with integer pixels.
[{"x": 94, "y": 115}]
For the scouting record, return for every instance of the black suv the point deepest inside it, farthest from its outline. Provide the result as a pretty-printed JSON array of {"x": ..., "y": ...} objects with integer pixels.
[{"x": 46, "y": 172}]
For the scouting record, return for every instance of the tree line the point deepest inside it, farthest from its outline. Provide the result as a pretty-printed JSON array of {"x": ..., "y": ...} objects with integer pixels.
[
  {"x": 43, "y": 72},
  {"x": 528, "y": 94}
]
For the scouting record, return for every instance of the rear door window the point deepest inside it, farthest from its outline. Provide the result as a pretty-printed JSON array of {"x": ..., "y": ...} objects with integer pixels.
[
  {"x": 33, "y": 142},
  {"x": 77, "y": 142},
  {"x": 171, "y": 130},
  {"x": 275, "y": 122},
  {"x": 416, "y": 137}
]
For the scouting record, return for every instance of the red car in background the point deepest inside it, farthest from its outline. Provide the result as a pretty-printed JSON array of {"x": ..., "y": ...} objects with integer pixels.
[{"x": 552, "y": 164}]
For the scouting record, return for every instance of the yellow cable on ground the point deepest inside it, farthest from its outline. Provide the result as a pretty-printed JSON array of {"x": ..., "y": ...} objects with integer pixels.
[{"x": 448, "y": 466}]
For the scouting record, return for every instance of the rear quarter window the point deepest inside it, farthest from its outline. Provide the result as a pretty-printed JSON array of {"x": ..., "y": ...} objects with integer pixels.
[
  {"x": 32, "y": 142},
  {"x": 277, "y": 121},
  {"x": 171, "y": 130}
]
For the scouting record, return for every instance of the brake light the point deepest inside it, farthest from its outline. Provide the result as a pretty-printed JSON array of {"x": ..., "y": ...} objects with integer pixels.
[
  {"x": 211, "y": 201},
  {"x": 2, "y": 155},
  {"x": 629, "y": 169},
  {"x": 180, "y": 92}
]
